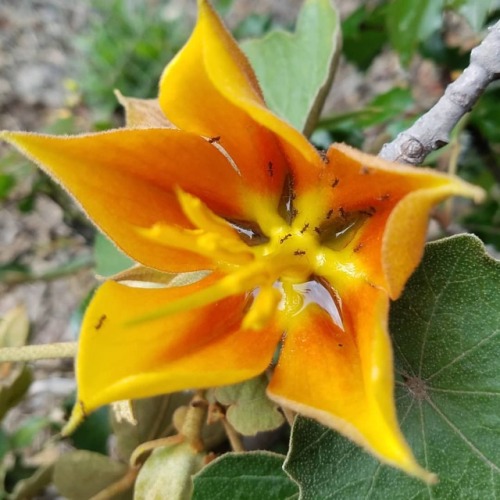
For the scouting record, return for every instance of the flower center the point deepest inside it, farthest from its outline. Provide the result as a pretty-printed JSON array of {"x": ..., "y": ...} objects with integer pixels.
[{"x": 293, "y": 251}]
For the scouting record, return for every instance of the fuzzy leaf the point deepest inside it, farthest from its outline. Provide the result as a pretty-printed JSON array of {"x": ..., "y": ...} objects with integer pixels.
[
  {"x": 296, "y": 70},
  {"x": 168, "y": 473},
  {"x": 15, "y": 378},
  {"x": 245, "y": 476},
  {"x": 447, "y": 346},
  {"x": 14, "y": 328},
  {"x": 82, "y": 474},
  {"x": 250, "y": 410}
]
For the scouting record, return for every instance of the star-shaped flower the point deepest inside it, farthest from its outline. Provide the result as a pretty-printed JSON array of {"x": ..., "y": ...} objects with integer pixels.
[{"x": 301, "y": 251}]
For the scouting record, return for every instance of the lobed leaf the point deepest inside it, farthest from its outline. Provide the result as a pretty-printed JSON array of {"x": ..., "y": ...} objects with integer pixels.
[
  {"x": 250, "y": 410},
  {"x": 167, "y": 473},
  {"x": 295, "y": 70}
]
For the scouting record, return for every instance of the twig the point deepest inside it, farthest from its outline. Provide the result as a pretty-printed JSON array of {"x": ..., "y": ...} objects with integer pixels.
[
  {"x": 123, "y": 484},
  {"x": 149, "y": 446},
  {"x": 432, "y": 130},
  {"x": 233, "y": 437},
  {"x": 35, "y": 352}
]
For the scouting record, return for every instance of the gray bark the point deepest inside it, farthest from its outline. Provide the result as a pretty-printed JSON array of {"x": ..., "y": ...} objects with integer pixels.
[{"x": 432, "y": 130}]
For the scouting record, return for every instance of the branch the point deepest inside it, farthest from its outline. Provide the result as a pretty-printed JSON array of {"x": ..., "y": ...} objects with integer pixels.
[
  {"x": 40, "y": 351},
  {"x": 432, "y": 130}
]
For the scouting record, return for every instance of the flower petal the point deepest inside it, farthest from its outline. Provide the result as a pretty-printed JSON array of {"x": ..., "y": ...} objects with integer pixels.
[
  {"x": 126, "y": 178},
  {"x": 343, "y": 377},
  {"x": 396, "y": 201},
  {"x": 198, "y": 348},
  {"x": 210, "y": 89},
  {"x": 359, "y": 180}
]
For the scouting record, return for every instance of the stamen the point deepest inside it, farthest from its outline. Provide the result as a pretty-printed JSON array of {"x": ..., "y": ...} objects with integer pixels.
[
  {"x": 213, "y": 245},
  {"x": 201, "y": 216},
  {"x": 243, "y": 280},
  {"x": 263, "y": 308}
]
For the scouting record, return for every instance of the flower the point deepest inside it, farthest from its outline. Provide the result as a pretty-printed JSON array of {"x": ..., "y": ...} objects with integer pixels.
[{"x": 300, "y": 250}]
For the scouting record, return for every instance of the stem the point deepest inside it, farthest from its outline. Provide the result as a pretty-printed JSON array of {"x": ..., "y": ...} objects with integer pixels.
[
  {"x": 195, "y": 419},
  {"x": 233, "y": 437},
  {"x": 12, "y": 278},
  {"x": 432, "y": 130},
  {"x": 36, "y": 352},
  {"x": 119, "y": 486},
  {"x": 152, "y": 445}
]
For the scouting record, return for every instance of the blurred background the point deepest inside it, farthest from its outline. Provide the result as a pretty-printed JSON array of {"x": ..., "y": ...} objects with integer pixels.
[{"x": 59, "y": 64}]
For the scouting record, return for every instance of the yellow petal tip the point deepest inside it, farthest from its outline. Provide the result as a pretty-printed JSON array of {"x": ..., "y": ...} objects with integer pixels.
[
  {"x": 427, "y": 477},
  {"x": 77, "y": 417}
]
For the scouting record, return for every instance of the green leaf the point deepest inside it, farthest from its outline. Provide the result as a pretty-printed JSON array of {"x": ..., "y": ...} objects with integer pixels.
[
  {"x": 383, "y": 108},
  {"x": 27, "y": 432},
  {"x": 82, "y": 474},
  {"x": 364, "y": 35},
  {"x": 296, "y": 70},
  {"x": 168, "y": 473},
  {"x": 245, "y": 476},
  {"x": 7, "y": 182},
  {"x": 447, "y": 346},
  {"x": 222, "y": 6},
  {"x": 411, "y": 21},
  {"x": 29, "y": 487},
  {"x": 15, "y": 378},
  {"x": 14, "y": 328},
  {"x": 4, "y": 444},
  {"x": 109, "y": 259},
  {"x": 475, "y": 12},
  {"x": 13, "y": 386},
  {"x": 93, "y": 433},
  {"x": 250, "y": 410}
]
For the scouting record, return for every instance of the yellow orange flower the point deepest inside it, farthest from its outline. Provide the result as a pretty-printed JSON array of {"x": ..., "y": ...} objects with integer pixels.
[{"x": 299, "y": 251}]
